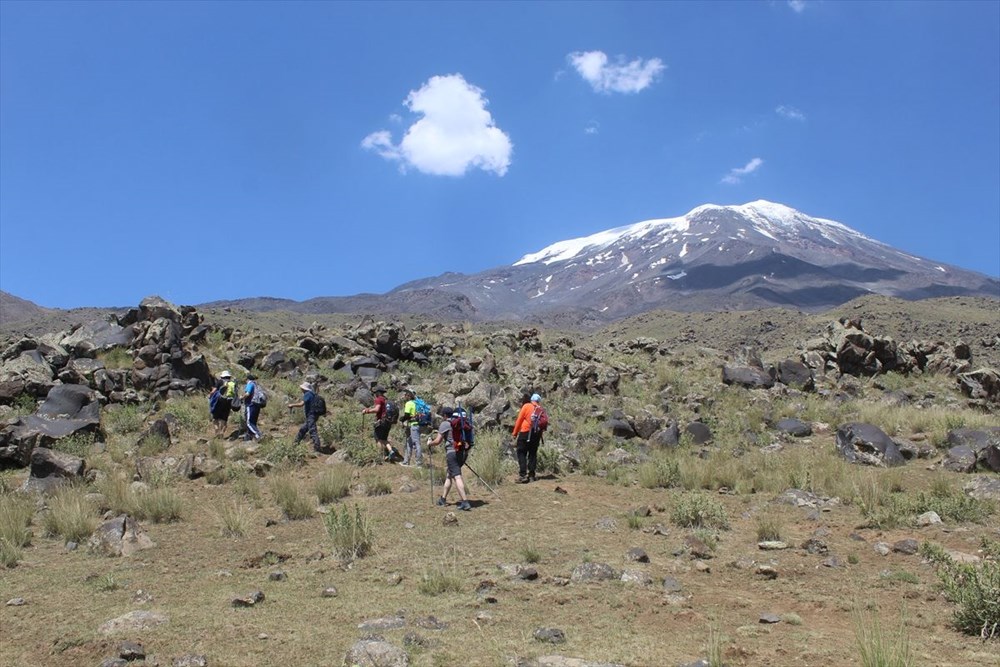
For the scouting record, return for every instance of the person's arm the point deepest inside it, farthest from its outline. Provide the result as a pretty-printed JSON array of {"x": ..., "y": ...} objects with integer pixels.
[
  {"x": 297, "y": 404},
  {"x": 519, "y": 421}
]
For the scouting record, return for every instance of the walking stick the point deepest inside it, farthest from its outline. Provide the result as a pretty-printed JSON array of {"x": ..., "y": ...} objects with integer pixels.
[
  {"x": 483, "y": 481},
  {"x": 430, "y": 461}
]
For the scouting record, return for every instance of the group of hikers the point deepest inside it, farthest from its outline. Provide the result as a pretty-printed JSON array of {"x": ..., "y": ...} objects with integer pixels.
[{"x": 454, "y": 431}]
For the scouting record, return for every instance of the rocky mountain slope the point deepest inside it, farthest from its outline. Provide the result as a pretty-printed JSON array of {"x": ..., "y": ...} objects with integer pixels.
[
  {"x": 756, "y": 255},
  {"x": 738, "y": 480}
]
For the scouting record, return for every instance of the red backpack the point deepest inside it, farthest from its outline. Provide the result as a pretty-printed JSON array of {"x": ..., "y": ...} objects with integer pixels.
[
  {"x": 539, "y": 420},
  {"x": 461, "y": 431}
]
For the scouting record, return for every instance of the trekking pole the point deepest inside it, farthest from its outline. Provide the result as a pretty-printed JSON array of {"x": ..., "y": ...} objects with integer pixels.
[
  {"x": 483, "y": 481},
  {"x": 430, "y": 463}
]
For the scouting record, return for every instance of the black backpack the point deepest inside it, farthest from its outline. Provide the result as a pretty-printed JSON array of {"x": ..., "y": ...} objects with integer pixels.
[
  {"x": 391, "y": 415},
  {"x": 318, "y": 406}
]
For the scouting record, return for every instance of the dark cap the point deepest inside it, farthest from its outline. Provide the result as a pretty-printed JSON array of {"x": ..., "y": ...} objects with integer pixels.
[
  {"x": 446, "y": 412},
  {"x": 379, "y": 390}
]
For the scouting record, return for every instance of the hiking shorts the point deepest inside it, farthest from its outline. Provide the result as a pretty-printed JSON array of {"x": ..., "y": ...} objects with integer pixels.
[
  {"x": 382, "y": 431},
  {"x": 454, "y": 461}
]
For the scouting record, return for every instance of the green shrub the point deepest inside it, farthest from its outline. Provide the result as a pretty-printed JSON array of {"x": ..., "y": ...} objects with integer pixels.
[
  {"x": 530, "y": 554},
  {"x": 122, "y": 419},
  {"x": 660, "y": 473},
  {"x": 234, "y": 519},
  {"x": 488, "y": 458},
  {"x": 437, "y": 581},
  {"x": 16, "y": 513},
  {"x": 876, "y": 648},
  {"x": 768, "y": 529},
  {"x": 283, "y": 451},
  {"x": 547, "y": 462},
  {"x": 190, "y": 412},
  {"x": 159, "y": 505},
  {"x": 117, "y": 358},
  {"x": 378, "y": 487},
  {"x": 78, "y": 444},
  {"x": 698, "y": 511},
  {"x": 975, "y": 589},
  {"x": 353, "y": 535},
  {"x": 70, "y": 515},
  {"x": 290, "y": 498},
  {"x": 117, "y": 495},
  {"x": 332, "y": 484}
]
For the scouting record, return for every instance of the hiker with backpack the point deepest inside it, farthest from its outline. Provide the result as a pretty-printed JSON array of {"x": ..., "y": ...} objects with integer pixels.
[
  {"x": 454, "y": 458},
  {"x": 254, "y": 398},
  {"x": 314, "y": 407},
  {"x": 386, "y": 414},
  {"x": 221, "y": 401},
  {"x": 531, "y": 423},
  {"x": 411, "y": 418}
]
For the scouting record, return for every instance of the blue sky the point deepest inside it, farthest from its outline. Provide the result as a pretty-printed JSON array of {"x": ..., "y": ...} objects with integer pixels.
[{"x": 205, "y": 151}]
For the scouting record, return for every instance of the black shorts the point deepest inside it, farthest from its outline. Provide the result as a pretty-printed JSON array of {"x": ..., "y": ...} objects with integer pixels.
[
  {"x": 455, "y": 461},
  {"x": 382, "y": 431}
]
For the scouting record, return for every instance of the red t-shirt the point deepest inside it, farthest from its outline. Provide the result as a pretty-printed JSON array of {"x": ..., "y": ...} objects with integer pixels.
[{"x": 379, "y": 406}]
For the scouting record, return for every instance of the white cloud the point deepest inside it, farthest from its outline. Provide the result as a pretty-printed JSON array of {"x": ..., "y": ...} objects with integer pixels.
[
  {"x": 455, "y": 133},
  {"x": 791, "y": 113},
  {"x": 593, "y": 127},
  {"x": 798, "y": 6},
  {"x": 622, "y": 77},
  {"x": 736, "y": 174}
]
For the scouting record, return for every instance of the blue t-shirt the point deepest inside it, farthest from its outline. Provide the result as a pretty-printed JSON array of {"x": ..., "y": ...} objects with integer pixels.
[
  {"x": 248, "y": 392},
  {"x": 307, "y": 400}
]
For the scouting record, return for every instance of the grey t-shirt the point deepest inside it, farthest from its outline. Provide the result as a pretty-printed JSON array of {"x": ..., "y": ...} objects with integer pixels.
[{"x": 445, "y": 430}]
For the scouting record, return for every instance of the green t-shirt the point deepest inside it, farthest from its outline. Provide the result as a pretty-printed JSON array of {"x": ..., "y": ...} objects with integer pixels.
[{"x": 410, "y": 413}]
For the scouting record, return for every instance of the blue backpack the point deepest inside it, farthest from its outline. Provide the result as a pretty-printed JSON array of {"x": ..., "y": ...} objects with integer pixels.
[{"x": 423, "y": 412}]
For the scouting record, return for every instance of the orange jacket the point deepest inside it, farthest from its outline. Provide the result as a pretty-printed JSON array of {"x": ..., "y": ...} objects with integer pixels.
[{"x": 523, "y": 423}]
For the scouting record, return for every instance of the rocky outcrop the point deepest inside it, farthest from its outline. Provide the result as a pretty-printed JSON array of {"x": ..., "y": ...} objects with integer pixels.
[
  {"x": 868, "y": 445},
  {"x": 846, "y": 348}
]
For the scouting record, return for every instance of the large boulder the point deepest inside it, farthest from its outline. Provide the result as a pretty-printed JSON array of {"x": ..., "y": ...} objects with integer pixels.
[
  {"x": 121, "y": 536},
  {"x": 796, "y": 374},
  {"x": 88, "y": 339},
  {"x": 981, "y": 384},
  {"x": 51, "y": 469},
  {"x": 970, "y": 447},
  {"x": 747, "y": 376},
  {"x": 66, "y": 411},
  {"x": 868, "y": 445},
  {"x": 31, "y": 370}
]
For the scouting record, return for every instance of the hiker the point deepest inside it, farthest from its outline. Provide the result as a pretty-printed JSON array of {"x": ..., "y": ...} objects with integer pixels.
[
  {"x": 226, "y": 394},
  {"x": 411, "y": 418},
  {"x": 527, "y": 439},
  {"x": 454, "y": 460},
  {"x": 382, "y": 423},
  {"x": 252, "y": 407},
  {"x": 310, "y": 404}
]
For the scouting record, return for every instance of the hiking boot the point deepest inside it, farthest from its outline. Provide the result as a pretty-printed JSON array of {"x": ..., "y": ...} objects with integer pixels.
[
  {"x": 464, "y": 506},
  {"x": 441, "y": 502},
  {"x": 531, "y": 478},
  {"x": 522, "y": 480}
]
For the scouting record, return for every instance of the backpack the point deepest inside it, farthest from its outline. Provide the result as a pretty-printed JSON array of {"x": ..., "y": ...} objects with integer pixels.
[
  {"x": 423, "y": 412},
  {"x": 539, "y": 420},
  {"x": 391, "y": 415},
  {"x": 228, "y": 389},
  {"x": 462, "y": 431},
  {"x": 318, "y": 406},
  {"x": 259, "y": 398},
  {"x": 213, "y": 401}
]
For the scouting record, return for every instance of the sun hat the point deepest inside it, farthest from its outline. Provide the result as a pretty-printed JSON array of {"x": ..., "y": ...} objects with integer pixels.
[
  {"x": 305, "y": 386},
  {"x": 226, "y": 374},
  {"x": 535, "y": 398}
]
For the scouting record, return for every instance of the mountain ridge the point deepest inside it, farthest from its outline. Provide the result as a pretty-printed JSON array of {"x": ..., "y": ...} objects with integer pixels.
[{"x": 735, "y": 257}]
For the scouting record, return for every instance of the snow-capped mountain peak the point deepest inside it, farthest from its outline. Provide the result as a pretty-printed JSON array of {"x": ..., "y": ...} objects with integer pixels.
[{"x": 741, "y": 256}]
